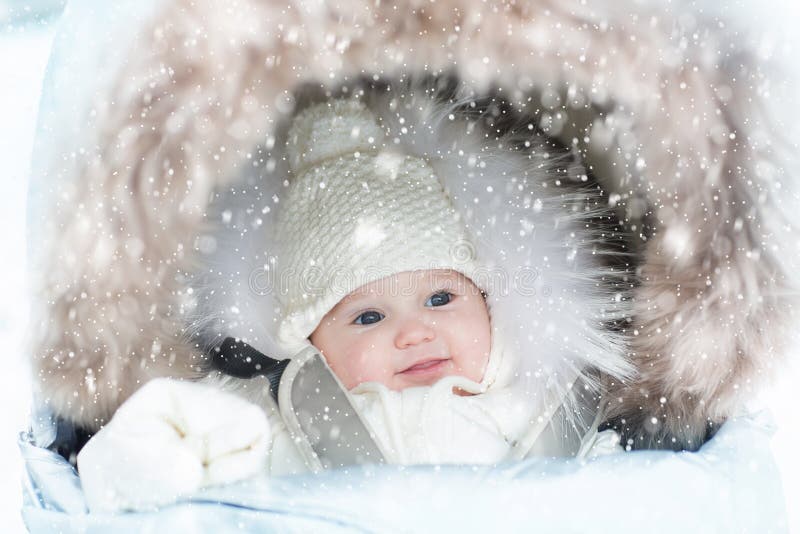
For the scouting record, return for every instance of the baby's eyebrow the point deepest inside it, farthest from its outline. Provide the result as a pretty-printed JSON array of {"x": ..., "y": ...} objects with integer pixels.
[
  {"x": 449, "y": 283},
  {"x": 355, "y": 297},
  {"x": 351, "y": 303}
]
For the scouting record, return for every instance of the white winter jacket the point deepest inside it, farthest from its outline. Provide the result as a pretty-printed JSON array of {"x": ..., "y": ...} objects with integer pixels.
[{"x": 172, "y": 438}]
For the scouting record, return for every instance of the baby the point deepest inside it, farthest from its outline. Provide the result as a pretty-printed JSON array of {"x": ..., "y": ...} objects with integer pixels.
[
  {"x": 381, "y": 279},
  {"x": 380, "y": 275}
]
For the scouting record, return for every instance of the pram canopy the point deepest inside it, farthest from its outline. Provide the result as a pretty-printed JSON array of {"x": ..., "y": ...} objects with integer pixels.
[{"x": 148, "y": 67}]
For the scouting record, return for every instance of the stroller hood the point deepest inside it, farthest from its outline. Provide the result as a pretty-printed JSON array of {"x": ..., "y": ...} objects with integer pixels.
[{"x": 154, "y": 128}]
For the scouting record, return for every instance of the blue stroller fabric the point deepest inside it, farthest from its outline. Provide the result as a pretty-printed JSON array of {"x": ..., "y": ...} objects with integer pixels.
[{"x": 730, "y": 485}]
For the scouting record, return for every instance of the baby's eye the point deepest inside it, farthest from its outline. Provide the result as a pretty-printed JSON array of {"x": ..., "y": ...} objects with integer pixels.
[
  {"x": 439, "y": 299},
  {"x": 369, "y": 317}
]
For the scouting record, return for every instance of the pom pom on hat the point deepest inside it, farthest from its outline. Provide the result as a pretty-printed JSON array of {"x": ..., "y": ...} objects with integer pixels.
[{"x": 329, "y": 130}]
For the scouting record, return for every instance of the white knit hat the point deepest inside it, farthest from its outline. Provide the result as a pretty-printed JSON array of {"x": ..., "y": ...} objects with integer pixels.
[{"x": 355, "y": 212}]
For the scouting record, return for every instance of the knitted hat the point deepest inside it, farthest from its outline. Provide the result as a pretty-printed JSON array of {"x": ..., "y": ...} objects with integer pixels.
[{"x": 355, "y": 212}]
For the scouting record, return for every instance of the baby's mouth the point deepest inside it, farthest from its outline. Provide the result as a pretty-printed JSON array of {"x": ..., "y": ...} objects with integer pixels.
[{"x": 431, "y": 365}]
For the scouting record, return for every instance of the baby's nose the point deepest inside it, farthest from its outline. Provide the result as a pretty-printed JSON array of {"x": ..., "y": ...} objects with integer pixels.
[{"x": 413, "y": 331}]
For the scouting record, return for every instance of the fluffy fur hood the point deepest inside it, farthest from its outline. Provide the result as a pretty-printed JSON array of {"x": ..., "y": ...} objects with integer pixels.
[{"x": 140, "y": 140}]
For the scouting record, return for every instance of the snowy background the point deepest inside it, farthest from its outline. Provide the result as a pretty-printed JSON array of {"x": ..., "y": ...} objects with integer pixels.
[{"x": 26, "y": 32}]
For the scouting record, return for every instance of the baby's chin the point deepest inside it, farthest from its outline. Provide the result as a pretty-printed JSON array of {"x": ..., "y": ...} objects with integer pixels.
[
  {"x": 427, "y": 376},
  {"x": 398, "y": 387},
  {"x": 423, "y": 374}
]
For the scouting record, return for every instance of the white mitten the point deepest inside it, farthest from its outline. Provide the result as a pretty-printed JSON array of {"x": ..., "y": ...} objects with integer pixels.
[{"x": 168, "y": 440}]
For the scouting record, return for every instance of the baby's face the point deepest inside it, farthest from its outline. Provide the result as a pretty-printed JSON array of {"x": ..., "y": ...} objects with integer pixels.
[{"x": 408, "y": 329}]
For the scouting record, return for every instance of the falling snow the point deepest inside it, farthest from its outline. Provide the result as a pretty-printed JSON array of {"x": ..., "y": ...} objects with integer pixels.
[{"x": 618, "y": 184}]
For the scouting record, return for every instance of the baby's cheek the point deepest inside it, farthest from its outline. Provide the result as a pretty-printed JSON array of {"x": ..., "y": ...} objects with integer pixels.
[
  {"x": 479, "y": 348},
  {"x": 350, "y": 367},
  {"x": 367, "y": 364}
]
